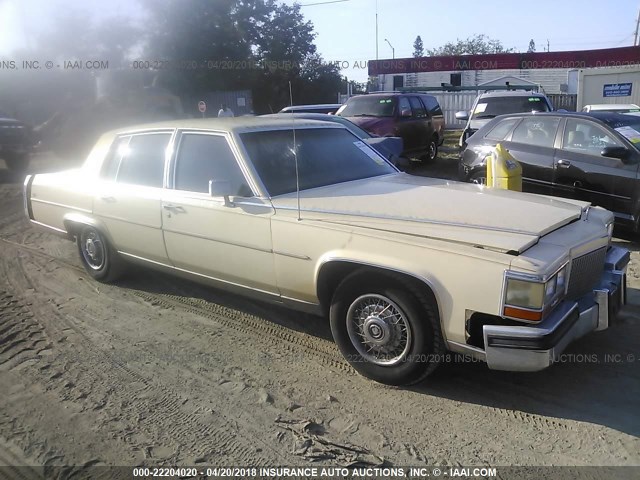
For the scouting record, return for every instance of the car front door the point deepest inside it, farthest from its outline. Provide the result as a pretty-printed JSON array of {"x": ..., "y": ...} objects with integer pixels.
[
  {"x": 227, "y": 239},
  {"x": 582, "y": 173},
  {"x": 532, "y": 144},
  {"x": 127, "y": 199}
]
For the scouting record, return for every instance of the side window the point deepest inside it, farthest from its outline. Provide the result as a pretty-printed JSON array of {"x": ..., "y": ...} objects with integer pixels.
[
  {"x": 111, "y": 163},
  {"x": 586, "y": 137},
  {"x": 432, "y": 105},
  {"x": 143, "y": 160},
  {"x": 418, "y": 109},
  {"x": 204, "y": 157},
  {"x": 502, "y": 129},
  {"x": 540, "y": 131},
  {"x": 403, "y": 104}
]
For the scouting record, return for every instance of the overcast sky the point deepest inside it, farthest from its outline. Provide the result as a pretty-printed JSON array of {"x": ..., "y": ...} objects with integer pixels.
[{"x": 346, "y": 29}]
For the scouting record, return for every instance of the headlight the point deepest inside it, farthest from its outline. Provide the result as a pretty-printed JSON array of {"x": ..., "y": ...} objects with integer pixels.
[
  {"x": 529, "y": 300},
  {"x": 521, "y": 293},
  {"x": 610, "y": 231}
]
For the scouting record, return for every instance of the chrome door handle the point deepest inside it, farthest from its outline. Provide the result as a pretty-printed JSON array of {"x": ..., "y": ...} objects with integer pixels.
[
  {"x": 174, "y": 208},
  {"x": 563, "y": 163}
]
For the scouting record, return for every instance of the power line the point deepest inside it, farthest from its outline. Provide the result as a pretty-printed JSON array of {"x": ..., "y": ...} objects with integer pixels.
[{"x": 323, "y": 3}]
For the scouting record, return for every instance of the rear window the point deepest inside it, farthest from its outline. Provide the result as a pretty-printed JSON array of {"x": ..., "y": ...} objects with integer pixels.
[
  {"x": 367, "y": 106},
  {"x": 502, "y": 129},
  {"x": 326, "y": 156},
  {"x": 432, "y": 105},
  {"x": 491, "y": 107}
]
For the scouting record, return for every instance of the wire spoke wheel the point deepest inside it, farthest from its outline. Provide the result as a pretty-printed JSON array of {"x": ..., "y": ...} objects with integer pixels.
[
  {"x": 379, "y": 329},
  {"x": 93, "y": 249}
]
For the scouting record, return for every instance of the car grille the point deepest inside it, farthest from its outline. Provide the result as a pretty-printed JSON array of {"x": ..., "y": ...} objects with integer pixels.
[{"x": 585, "y": 272}]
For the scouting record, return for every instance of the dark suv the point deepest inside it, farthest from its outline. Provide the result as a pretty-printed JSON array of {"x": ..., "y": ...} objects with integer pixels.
[
  {"x": 489, "y": 105},
  {"x": 415, "y": 117},
  {"x": 15, "y": 143},
  {"x": 585, "y": 156}
]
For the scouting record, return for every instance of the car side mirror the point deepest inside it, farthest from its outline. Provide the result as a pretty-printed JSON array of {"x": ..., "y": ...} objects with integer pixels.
[
  {"x": 614, "y": 151},
  {"x": 405, "y": 112},
  {"x": 221, "y": 188},
  {"x": 462, "y": 115}
]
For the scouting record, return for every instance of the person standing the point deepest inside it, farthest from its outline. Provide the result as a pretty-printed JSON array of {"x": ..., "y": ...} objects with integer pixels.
[{"x": 225, "y": 111}]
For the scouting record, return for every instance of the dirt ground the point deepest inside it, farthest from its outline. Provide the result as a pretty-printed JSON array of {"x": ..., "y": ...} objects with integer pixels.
[{"x": 160, "y": 371}]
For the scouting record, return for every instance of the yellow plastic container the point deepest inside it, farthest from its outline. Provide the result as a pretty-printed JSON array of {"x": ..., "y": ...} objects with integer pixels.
[{"x": 503, "y": 171}]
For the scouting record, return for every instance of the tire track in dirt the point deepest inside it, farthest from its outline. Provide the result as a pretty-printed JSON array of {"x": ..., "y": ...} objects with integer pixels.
[
  {"x": 22, "y": 339},
  {"x": 321, "y": 350},
  {"x": 160, "y": 412},
  {"x": 325, "y": 352}
]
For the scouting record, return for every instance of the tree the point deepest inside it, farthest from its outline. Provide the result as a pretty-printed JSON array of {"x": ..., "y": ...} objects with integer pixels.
[
  {"x": 532, "y": 46},
  {"x": 476, "y": 45},
  {"x": 418, "y": 47},
  {"x": 243, "y": 44}
]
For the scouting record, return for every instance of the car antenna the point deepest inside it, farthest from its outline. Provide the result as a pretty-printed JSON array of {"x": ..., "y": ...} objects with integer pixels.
[{"x": 295, "y": 150}]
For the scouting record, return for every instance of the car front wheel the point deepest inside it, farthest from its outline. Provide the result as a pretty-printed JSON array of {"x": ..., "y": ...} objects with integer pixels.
[
  {"x": 386, "y": 328},
  {"x": 98, "y": 257}
]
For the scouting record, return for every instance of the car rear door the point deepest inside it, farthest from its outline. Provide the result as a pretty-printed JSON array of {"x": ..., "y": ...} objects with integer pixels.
[
  {"x": 409, "y": 126},
  {"x": 582, "y": 173},
  {"x": 423, "y": 121},
  {"x": 532, "y": 143},
  {"x": 127, "y": 199}
]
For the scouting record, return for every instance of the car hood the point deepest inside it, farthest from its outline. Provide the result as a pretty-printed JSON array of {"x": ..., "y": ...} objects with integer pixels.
[
  {"x": 375, "y": 125},
  {"x": 495, "y": 219}
]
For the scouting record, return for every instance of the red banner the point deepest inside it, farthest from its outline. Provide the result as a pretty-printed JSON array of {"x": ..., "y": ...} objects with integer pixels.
[{"x": 610, "y": 57}]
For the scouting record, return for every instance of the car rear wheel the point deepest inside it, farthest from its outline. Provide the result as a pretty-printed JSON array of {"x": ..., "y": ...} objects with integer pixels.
[
  {"x": 386, "y": 328},
  {"x": 98, "y": 257},
  {"x": 432, "y": 150}
]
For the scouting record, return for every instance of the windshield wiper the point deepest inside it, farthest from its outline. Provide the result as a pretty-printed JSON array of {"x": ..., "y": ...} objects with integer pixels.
[{"x": 477, "y": 117}]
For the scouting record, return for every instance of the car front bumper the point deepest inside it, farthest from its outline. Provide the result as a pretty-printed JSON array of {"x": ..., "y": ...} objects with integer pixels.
[{"x": 535, "y": 347}]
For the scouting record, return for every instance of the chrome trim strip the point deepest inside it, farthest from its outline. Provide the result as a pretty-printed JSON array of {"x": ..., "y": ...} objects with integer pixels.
[
  {"x": 126, "y": 220},
  {"x": 183, "y": 270},
  {"x": 330, "y": 259},
  {"x": 389, "y": 217},
  {"x": 292, "y": 255},
  {"x": 25, "y": 199},
  {"x": 49, "y": 227},
  {"x": 474, "y": 352},
  {"x": 56, "y": 204},
  {"x": 204, "y": 237}
]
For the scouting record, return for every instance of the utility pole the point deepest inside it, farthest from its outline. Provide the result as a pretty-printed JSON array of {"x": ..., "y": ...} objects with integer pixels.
[
  {"x": 376, "y": 29},
  {"x": 635, "y": 39},
  {"x": 548, "y": 45}
]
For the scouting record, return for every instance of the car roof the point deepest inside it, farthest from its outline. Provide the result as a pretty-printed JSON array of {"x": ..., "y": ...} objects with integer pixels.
[
  {"x": 318, "y": 106},
  {"x": 389, "y": 94},
  {"x": 227, "y": 124},
  {"x": 511, "y": 93},
  {"x": 612, "y": 106},
  {"x": 602, "y": 116}
]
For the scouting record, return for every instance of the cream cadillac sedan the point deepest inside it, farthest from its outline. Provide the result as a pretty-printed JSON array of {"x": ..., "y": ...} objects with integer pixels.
[{"x": 305, "y": 214}]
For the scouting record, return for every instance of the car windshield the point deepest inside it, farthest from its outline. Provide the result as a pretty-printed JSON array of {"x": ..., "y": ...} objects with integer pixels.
[
  {"x": 628, "y": 126},
  {"x": 326, "y": 156},
  {"x": 368, "y": 106},
  {"x": 491, "y": 107}
]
